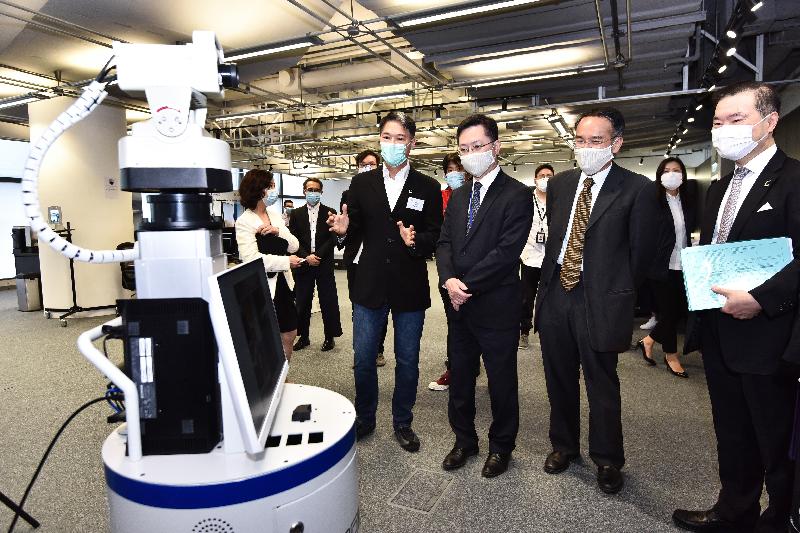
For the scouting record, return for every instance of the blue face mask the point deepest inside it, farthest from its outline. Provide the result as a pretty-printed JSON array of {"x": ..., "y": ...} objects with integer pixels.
[
  {"x": 271, "y": 198},
  {"x": 454, "y": 179},
  {"x": 393, "y": 154},
  {"x": 313, "y": 198}
]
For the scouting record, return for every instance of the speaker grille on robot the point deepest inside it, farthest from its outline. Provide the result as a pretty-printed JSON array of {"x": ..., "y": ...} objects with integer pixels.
[{"x": 213, "y": 525}]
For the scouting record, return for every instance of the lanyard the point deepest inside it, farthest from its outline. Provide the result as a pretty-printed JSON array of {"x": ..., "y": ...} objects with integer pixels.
[{"x": 538, "y": 209}]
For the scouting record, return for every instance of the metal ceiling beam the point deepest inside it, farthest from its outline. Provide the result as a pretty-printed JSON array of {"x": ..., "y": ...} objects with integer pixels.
[
  {"x": 431, "y": 75},
  {"x": 308, "y": 11}
]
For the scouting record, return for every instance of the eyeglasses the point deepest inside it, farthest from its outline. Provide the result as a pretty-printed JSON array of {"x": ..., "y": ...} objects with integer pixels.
[
  {"x": 464, "y": 150},
  {"x": 594, "y": 142}
]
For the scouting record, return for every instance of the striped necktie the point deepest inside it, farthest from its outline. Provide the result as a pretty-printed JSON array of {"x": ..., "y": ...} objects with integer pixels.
[
  {"x": 729, "y": 213},
  {"x": 474, "y": 204},
  {"x": 573, "y": 256}
]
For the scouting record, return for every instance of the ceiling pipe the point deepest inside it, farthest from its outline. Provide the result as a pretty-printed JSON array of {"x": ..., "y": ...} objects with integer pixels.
[
  {"x": 53, "y": 29},
  {"x": 308, "y": 11},
  {"x": 60, "y": 21},
  {"x": 602, "y": 30},
  {"x": 619, "y": 60},
  {"x": 431, "y": 75}
]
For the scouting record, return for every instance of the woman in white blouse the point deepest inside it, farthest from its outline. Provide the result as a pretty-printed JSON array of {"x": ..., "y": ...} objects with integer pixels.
[
  {"x": 667, "y": 275},
  {"x": 261, "y": 232}
]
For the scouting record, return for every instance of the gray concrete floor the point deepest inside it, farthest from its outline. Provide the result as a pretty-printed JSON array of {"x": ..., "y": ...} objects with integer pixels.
[{"x": 669, "y": 441}]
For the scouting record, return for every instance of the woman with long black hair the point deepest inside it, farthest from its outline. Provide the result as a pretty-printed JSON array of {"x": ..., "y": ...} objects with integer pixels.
[{"x": 667, "y": 275}]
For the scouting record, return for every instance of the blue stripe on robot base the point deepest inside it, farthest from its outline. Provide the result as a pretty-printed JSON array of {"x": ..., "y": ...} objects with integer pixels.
[{"x": 218, "y": 495}]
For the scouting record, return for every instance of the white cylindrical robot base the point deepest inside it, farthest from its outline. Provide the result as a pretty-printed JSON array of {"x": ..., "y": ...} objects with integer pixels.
[{"x": 306, "y": 481}]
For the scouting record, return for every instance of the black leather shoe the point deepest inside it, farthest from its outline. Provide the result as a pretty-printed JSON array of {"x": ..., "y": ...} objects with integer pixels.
[
  {"x": 458, "y": 457},
  {"x": 327, "y": 345},
  {"x": 301, "y": 343},
  {"x": 407, "y": 438},
  {"x": 363, "y": 429},
  {"x": 495, "y": 464},
  {"x": 702, "y": 521},
  {"x": 681, "y": 374},
  {"x": 649, "y": 360},
  {"x": 558, "y": 461},
  {"x": 609, "y": 479}
]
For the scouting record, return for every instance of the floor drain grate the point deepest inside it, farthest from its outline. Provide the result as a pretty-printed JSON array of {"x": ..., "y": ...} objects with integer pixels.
[{"x": 421, "y": 491}]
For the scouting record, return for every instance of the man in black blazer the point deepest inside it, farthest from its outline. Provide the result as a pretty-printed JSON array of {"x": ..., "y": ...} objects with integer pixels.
[
  {"x": 396, "y": 213},
  {"x": 752, "y": 389},
  {"x": 485, "y": 229},
  {"x": 317, "y": 248},
  {"x": 603, "y": 226}
]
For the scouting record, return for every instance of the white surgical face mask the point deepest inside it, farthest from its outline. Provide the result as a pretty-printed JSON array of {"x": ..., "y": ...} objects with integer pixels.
[
  {"x": 671, "y": 180},
  {"x": 365, "y": 168},
  {"x": 477, "y": 163},
  {"x": 541, "y": 184},
  {"x": 735, "y": 141},
  {"x": 591, "y": 160}
]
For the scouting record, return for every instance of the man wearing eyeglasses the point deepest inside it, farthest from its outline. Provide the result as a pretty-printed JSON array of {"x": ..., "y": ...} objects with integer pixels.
[
  {"x": 485, "y": 229},
  {"x": 603, "y": 226},
  {"x": 395, "y": 213}
]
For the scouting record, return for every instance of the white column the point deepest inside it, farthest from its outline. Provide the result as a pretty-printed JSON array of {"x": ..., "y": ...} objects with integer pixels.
[{"x": 81, "y": 174}]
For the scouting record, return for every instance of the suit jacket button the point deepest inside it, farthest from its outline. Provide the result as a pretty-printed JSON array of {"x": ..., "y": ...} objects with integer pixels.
[{"x": 389, "y": 240}]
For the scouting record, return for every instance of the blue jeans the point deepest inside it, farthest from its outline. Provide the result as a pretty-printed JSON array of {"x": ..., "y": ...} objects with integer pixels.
[{"x": 367, "y": 326}]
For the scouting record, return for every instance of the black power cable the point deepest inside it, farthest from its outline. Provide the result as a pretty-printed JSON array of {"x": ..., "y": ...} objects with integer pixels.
[{"x": 50, "y": 448}]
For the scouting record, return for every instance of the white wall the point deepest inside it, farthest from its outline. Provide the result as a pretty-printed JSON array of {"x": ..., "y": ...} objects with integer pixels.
[{"x": 12, "y": 161}]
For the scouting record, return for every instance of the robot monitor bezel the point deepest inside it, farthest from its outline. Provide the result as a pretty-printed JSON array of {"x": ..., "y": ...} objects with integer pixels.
[{"x": 254, "y": 438}]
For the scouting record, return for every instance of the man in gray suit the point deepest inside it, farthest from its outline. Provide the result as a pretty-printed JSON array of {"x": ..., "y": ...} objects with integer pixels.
[{"x": 603, "y": 223}]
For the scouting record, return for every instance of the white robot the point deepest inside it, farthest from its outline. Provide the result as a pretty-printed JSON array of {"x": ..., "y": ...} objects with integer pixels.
[{"x": 213, "y": 440}]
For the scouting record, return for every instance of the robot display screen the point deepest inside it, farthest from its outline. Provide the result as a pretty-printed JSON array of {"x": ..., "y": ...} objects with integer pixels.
[{"x": 250, "y": 346}]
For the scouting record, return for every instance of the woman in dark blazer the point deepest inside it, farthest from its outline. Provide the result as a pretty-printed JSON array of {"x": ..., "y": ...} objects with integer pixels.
[{"x": 666, "y": 275}]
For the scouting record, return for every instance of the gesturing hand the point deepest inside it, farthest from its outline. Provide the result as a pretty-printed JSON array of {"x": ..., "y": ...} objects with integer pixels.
[
  {"x": 738, "y": 304},
  {"x": 312, "y": 260},
  {"x": 407, "y": 233},
  {"x": 457, "y": 292},
  {"x": 339, "y": 223}
]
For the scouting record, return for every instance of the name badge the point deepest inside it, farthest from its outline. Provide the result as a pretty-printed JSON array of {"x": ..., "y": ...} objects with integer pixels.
[
  {"x": 540, "y": 237},
  {"x": 415, "y": 204}
]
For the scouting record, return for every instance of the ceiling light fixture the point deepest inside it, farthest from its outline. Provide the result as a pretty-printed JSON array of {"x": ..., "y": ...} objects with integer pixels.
[
  {"x": 367, "y": 98},
  {"x": 685, "y": 131},
  {"x": 690, "y": 119},
  {"x": 559, "y": 74},
  {"x": 722, "y": 68},
  {"x": 756, "y": 6},
  {"x": 248, "y": 114},
  {"x": 731, "y": 51},
  {"x": 275, "y": 48},
  {"x": 464, "y": 12},
  {"x": 731, "y": 34},
  {"x": 699, "y": 107},
  {"x": 8, "y": 102},
  {"x": 712, "y": 87}
]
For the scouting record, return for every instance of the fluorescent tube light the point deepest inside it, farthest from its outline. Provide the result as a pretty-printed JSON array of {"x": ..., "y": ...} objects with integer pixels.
[
  {"x": 572, "y": 72},
  {"x": 368, "y": 98},
  {"x": 458, "y": 13},
  {"x": 14, "y": 103},
  {"x": 271, "y": 50}
]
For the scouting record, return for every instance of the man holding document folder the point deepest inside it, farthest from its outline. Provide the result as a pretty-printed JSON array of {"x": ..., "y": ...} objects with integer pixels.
[{"x": 752, "y": 389}]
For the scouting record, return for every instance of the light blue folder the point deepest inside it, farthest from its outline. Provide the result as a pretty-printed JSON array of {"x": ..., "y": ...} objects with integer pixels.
[{"x": 733, "y": 265}]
